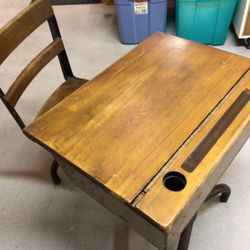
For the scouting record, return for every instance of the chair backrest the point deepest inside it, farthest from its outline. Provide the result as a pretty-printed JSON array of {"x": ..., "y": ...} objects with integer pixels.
[{"x": 14, "y": 33}]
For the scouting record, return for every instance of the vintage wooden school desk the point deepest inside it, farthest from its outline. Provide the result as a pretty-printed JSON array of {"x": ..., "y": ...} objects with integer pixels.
[{"x": 150, "y": 136}]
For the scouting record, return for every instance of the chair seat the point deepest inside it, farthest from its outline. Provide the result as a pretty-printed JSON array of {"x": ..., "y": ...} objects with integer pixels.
[{"x": 60, "y": 93}]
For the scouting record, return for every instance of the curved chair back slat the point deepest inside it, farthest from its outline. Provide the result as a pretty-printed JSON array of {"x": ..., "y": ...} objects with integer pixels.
[
  {"x": 20, "y": 27},
  {"x": 14, "y": 33},
  {"x": 32, "y": 69}
]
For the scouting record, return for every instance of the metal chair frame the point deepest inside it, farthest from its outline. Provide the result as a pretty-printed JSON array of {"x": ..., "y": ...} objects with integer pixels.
[{"x": 67, "y": 73}]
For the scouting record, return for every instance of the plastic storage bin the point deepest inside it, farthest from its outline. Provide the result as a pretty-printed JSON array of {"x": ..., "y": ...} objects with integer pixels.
[
  {"x": 204, "y": 21},
  {"x": 138, "y": 19}
]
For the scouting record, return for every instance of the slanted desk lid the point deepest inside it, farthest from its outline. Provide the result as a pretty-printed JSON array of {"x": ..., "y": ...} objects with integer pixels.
[
  {"x": 174, "y": 196},
  {"x": 127, "y": 122}
]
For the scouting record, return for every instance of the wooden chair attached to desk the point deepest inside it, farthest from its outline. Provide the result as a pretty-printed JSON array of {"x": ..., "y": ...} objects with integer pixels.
[
  {"x": 150, "y": 136},
  {"x": 11, "y": 35}
]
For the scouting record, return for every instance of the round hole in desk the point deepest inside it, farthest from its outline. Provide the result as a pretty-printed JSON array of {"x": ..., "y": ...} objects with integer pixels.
[{"x": 174, "y": 181}]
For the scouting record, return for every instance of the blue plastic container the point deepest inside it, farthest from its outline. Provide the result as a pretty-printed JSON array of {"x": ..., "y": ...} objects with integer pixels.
[
  {"x": 137, "y": 20},
  {"x": 204, "y": 21}
]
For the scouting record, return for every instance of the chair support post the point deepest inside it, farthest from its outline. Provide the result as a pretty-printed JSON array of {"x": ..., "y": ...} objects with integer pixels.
[
  {"x": 62, "y": 56},
  {"x": 12, "y": 111}
]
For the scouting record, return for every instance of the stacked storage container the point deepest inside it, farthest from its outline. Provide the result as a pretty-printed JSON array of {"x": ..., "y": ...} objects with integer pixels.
[
  {"x": 204, "y": 21},
  {"x": 138, "y": 19}
]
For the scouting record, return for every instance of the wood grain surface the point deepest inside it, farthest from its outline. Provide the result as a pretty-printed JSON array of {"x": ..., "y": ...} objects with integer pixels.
[
  {"x": 127, "y": 122},
  {"x": 14, "y": 32},
  {"x": 65, "y": 89},
  {"x": 171, "y": 211}
]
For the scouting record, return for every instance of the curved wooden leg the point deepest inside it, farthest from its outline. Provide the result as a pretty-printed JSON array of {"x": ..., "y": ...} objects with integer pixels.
[
  {"x": 222, "y": 189},
  {"x": 53, "y": 172}
]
